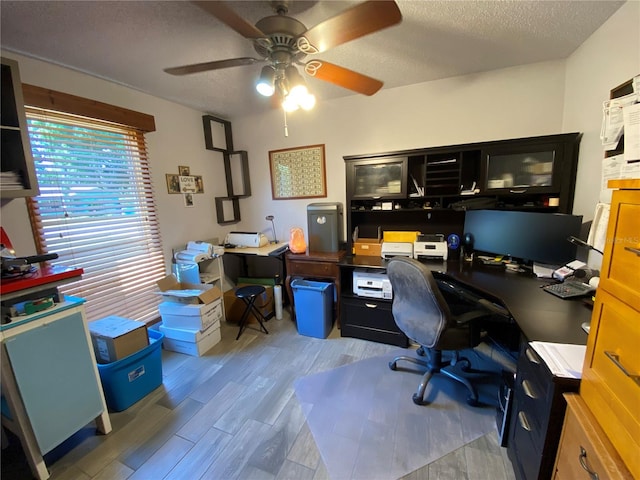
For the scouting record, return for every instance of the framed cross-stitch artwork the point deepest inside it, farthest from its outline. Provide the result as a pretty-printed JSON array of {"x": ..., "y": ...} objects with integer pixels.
[{"x": 298, "y": 172}]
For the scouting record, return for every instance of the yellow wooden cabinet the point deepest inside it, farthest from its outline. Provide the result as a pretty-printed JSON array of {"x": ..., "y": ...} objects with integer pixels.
[
  {"x": 610, "y": 385},
  {"x": 585, "y": 452}
]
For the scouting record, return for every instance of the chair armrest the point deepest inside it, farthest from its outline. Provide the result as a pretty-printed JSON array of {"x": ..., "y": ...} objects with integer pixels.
[{"x": 467, "y": 317}]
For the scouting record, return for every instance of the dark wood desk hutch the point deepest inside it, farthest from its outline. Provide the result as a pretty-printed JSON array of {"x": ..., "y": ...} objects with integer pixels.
[{"x": 429, "y": 189}]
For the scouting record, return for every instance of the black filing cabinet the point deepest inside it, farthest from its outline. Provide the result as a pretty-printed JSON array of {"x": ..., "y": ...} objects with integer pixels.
[
  {"x": 370, "y": 319},
  {"x": 537, "y": 416}
]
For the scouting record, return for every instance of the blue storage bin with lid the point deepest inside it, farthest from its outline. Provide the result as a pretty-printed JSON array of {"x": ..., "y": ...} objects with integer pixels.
[
  {"x": 313, "y": 302},
  {"x": 130, "y": 379}
]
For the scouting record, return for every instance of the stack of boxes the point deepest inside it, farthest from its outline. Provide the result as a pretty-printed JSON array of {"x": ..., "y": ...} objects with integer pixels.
[{"x": 191, "y": 316}]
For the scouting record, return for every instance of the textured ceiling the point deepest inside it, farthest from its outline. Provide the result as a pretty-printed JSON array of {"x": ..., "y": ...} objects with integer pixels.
[{"x": 130, "y": 42}]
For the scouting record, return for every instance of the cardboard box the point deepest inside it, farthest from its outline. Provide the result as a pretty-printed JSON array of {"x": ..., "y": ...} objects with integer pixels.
[
  {"x": 190, "y": 293},
  {"x": 401, "y": 237},
  {"x": 189, "y": 341},
  {"x": 234, "y": 307},
  {"x": 128, "y": 380},
  {"x": 197, "y": 317},
  {"x": 371, "y": 247},
  {"x": 115, "y": 338}
]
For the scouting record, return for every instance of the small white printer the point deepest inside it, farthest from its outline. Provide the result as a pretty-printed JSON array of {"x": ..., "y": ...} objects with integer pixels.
[
  {"x": 430, "y": 247},
  {"x": 371, "y": 284},
  {"x": 396, "y": 249},
  {"x": 247, "y": 239}
]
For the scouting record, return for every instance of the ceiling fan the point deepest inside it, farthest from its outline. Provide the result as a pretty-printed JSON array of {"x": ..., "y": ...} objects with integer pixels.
[{"x": 282, "y": 42}]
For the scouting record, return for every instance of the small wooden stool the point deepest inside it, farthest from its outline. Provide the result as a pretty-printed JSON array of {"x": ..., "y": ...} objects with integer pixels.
[{"x": 248, "y": 294}]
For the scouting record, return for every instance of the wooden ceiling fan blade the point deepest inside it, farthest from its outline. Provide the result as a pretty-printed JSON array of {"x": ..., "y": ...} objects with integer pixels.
[
  {"x": 343, "y": 77},
  {"x": 226, "y": 15},
  {"x": 356, "y": 22},
  {"x": 216, "y": 65}
]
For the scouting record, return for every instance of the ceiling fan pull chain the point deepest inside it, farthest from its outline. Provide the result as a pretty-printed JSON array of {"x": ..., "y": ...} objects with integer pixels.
[{"x": 286, "y": 129}]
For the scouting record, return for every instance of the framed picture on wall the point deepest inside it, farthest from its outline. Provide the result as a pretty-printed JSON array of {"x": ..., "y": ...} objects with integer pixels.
[
  {"x": 173, "y": 183},
  {"x": 298, "y": 172},
  {"x": 184, "y": 171}
]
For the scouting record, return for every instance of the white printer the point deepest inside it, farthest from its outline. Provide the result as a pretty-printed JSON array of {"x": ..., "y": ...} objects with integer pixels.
[
  {"x": 396, "y": 249},
  {"x": 247, "y": 239},
  {"x": 371, "y": 284},
  {"x": 430, "y": 247}
]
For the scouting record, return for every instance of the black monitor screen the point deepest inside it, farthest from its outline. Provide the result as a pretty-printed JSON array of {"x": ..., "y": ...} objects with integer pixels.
[{"x": 532, "y": 236}]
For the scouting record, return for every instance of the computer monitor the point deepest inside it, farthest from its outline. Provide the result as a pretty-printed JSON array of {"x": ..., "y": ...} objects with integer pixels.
[{"x": 530, "y": 236}]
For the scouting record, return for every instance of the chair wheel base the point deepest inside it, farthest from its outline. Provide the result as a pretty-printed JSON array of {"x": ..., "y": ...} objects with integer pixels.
[
  {"x": 392, "y": 365},
  {"x": 472, "y": 401},
  {"x": 418, "y": 400}
]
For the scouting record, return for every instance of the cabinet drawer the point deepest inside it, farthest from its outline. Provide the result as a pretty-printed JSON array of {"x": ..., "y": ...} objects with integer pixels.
[
  {"x": 610, "y": 385},
  {"x": 526, "y": 448},
  {"x": 532, "y": 394},
  {"x": 584, "y": 447},
  {"x": 621, "y": 262},
  {"x": 317, "y": 269},
  {"x": 370, "y": 320}
]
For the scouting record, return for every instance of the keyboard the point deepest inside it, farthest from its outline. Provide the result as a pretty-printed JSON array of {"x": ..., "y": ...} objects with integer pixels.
[{"x": 569, "y": 289}]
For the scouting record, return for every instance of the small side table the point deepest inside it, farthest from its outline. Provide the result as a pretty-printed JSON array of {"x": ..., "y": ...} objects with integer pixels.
[{"x": 314, "y": 265}]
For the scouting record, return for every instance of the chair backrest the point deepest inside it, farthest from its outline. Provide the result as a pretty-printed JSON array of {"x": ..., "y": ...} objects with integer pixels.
[{"x": 419, "y": 309}]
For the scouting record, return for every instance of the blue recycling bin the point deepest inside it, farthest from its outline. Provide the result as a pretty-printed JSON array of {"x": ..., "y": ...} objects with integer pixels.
[{"x": 314, "y": 307}]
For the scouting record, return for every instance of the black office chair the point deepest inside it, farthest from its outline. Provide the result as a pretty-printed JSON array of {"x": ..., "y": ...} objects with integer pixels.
[{"x": 422, "y": 313}]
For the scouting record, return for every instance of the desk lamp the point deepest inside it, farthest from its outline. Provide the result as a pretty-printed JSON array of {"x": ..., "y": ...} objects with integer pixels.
[
  {"x": 582, "y": 243},
  {"x": 270, "y": 218}
]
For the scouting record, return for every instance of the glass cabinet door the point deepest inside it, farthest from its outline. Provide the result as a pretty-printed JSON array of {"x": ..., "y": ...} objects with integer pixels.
[
  {"x": 528, "y": 170},
  {"x": 381, "y": 178}
]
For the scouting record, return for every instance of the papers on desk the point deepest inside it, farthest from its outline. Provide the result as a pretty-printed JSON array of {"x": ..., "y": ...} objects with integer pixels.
[
  {"x": 564, "y": 360},
  {"x": 542, "y": 270}
]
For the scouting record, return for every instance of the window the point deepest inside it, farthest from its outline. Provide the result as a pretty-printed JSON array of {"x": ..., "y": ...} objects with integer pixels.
[{"x": 96, "y": 210}]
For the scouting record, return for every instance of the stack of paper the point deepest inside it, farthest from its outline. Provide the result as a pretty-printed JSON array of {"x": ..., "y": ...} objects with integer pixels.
[{"x": 564, "y": 360}]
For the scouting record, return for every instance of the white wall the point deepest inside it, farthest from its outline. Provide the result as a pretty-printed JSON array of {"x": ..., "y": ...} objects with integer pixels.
[{"x": 611, "y": 56}]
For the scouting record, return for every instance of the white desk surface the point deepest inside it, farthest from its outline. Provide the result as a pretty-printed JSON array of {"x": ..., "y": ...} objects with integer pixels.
[{"x": 259, "y": 251}]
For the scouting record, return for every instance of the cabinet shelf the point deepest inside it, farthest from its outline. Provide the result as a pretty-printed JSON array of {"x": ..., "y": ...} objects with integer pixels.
[{"x": 19, "y": 177}]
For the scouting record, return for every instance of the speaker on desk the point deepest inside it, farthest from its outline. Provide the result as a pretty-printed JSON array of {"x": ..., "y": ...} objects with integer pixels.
[{"x": 466, "y": 249}]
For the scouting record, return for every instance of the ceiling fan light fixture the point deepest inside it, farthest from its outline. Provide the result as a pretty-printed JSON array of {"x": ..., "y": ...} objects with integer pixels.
[
  {"x": 308, "y": 101},
  {"x": 298, "y": 95},
  {"x": 289, "y": 104},
  {"x": 266, "y": 82}
]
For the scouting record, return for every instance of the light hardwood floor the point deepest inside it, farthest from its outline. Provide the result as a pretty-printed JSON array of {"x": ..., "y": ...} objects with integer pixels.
[{"x": 233, "y": 414}]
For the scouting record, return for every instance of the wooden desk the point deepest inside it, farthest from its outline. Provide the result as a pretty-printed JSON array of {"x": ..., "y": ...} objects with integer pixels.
[
  {"x": 267, "y": 250},
  {"x": 319, "y": 265}
]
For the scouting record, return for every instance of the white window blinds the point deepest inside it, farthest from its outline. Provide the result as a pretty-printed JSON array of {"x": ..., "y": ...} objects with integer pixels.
[{"x": 96, "y": 211}]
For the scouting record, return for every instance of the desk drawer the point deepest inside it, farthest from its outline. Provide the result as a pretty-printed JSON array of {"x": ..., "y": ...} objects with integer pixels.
[
  {"x": 537, "y": 418},
  {"x": 621, "y": 262},
  {"x": 370, "y": 320},
  {"x": 610, "y": 384},
  {"x": 313, "y": 269},
  {"x": 585, "y": 446}
]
